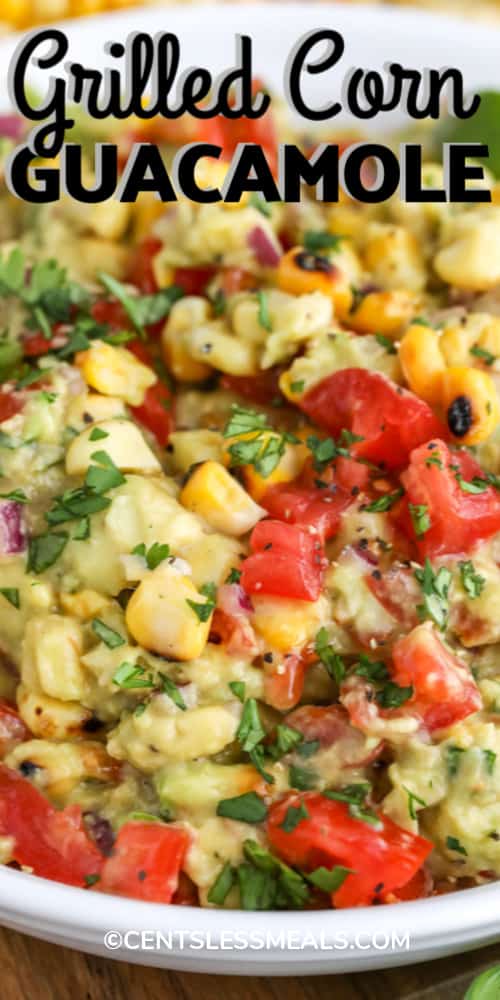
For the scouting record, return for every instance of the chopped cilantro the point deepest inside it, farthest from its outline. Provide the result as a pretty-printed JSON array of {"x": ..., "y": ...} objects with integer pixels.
[
  {"x": 263, "y": 314},
  {"x": 392, "y": 695},
  {"x": 435, "y": 588},
  {"x": 97, "y": 434},
  {"x": 104, "y": 475},
  {"x": 44, "y": 550},
  {"x": 412, "y": 799},
  {"x": 222, "y": 885},
  {"x": 329, "y": 879},
  {"x": 386, "y": 342},
  {"x": 131, "y": 676},
  {"x": 472, "y": 582},
  {"x": 355, "y": 796},
  {"x": 250, "y": 731},
  {"x": 452, "y": 757},
  {"x": 108, "y": 636},
  {"x": 483, "y": 354},
  {"x": 142, "y": 310},
  {"x": 256, "y": 201},
  {"x": 11, "y": 595},
  {"x": 453, "y": 844},
  {"x": 169, "y": 688},
  {"x": 490, "y": 760},
  {"x": 247, "y": 808},
  {"x": 317, "y": 239},
  {"x": 476, "y": 485},
  {"x": 18, "y": 495},
  {"x": 203, "y": 611},
  {"x": 302, "y": 778},
  {"x": 293, "y": 817},
  {"x": 234, "y": 576},
  {"x": 297, "y": 386},
  {"x": 385, "y": 502},
  {"x": 420, "y": 518},
  {"x": 331, "y": 660},
  {"x": 238, "y": 689},
  {"x": 286, "y": 739}
]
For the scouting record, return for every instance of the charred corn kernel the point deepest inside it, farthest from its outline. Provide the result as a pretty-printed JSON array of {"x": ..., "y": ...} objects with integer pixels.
[
  {"x": 212, "y": 493},
  {"x": 383, "y": 312},
  {"x": 49, "y": 718},
  {"x": 300, "y": 272},
  {"x": 285, "y": 624},
  {"x": 422, "y": 362},
  {"x": 160, "y": 617},
  {"x": 114, "y": 371},
  {"x": 185, "y": 315},
  {"x": 84, "y": 604},
  {"x": 123, "y": 443},
  {"x": 393, "y": 257},
  {"x": 64, "y": 765},
  {"x": 470, "y": 402},
  {"x": 221, "y": 350},
  {"x": 91, "y": 406},
  {"x": 480, "y": 330}
]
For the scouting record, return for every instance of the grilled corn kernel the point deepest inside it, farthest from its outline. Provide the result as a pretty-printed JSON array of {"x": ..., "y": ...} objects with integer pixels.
[
  {"x": 64, "y": 765},
  {"x": 85, "y": 604},
  {"x": 383, "y": 312},
  {"x": 300, "y": 272},
  {"x": 146, "y": 210},
  {"x": 393, "y": 257},
  {"x": 188, "y": 447},
  {"x": 470, "y": 402},
  {"x": 288, "y": 468},
  {"x": 459, "y": 342},
  {"x": 285, "y": 624},
  {"x": 91, "y": 406},
  {"x": 109, "y": 219},
  {"x": 471, "y": 257},
  {"x": 159, "y": 617},
  {"x": 50, "y": 718},
  {"x": 422, "y": 362},
  {"x": 221, "y": 350},
  {"x": 114, "y": 371},
  {"x": 185, "y": 315},
  {"x": 212, "y": 493},
  {"x": 19, "y": 13},
  {"x": 51, "y": 658},
  {"x": 123, "y": 443}
]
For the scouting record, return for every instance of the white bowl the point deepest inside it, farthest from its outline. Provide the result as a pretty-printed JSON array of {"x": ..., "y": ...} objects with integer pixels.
[{"x": 219, "y": 941}]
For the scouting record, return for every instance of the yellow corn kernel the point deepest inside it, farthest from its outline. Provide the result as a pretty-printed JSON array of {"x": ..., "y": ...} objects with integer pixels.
[
  {"x": 475, "y": 387},
  {"x": 190, "y": 312},
  {"x": 300, "y": 272},
  {"x": 19, "y": 13},
  {"x": 145, "y": 212},
  {"x": 455, "y": 343},
  {"x": 109, "y": 219},
  {"x": 187, "y": 447},
  {"x": 393, "y": 258},
  {"x": 288, "y": 468},
  {"x": 92, "y": 405},
  {"x": 225, "y": 352},
  {"x": 114, "y": 371},
  {"x": 159, "y": 617},
  {"x": 84, "y": 604},
  {"x": 422, "y": 362},
  {"x": 82, "y": 8},
  {"x": 212, "y": 493},
  {"x": 383, "y": 312},
  {"x": 285, "y": 624},
  {"x": 489, "y": 339},
  {"x": 124, "y": 445},
  {"x": 50, "y": 718}
]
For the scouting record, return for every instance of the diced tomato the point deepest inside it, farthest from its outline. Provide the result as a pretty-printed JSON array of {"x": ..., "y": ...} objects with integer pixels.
[
  {"x": 458, "y": 519},
  {"x": 235, "y": 279},
  {"x": 351, "y": 475},
  {"x": 156, "y": 412},
  {"x": 231, "y": 622},
  {"x": 444, "y": 690},
  {"x": 283, "y": 689},
  {"x": 139, "y": 349},
  {"x": 112, "y": 313},
  {"x": 52, "y": 842},
  {"x": 9, "y": 405},
  {"x": 286, "y": 561},
  {"x": 382, "y": 857},
  {"x": 193, "y": 280},
  {"x": 186, "y": 893},
  {"x": 12, "y": 728},
  {"x": 261, "y": 389},
  {"x": 419, "y": 887},
  {"x": 146, "y": 861},
  {"x": 390, "y": 420},
  {"x": 140, "y": 271},
  {"x": 330, "y": 725},
  {"x": 184, "y": 130},
  {"x": 261, "y": 131},
  {"x": 314, "y": 508}
]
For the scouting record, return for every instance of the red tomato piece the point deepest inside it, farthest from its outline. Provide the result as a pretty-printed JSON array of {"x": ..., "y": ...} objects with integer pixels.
[
  {"x": 444, "y": 690},
  {"x": 458, "y": 520},
  {"x": 12, "y": 728},
  {"x": 261, "y": 131},
  {"x": 52, "y": 842},
  {"x": 398, "y": 592},
  {"x": 262, "y": 388},
  {"x": 286, "y": 561},
  {"x": 111, "y": 313},
  {"x": 419, "y": 887},
  {"x": 186, "y": 893},
  {"x": 155, "y": 412},
  {"x": 383, "y": 858},
  {"x": 140, "y": 271},
  {"x": 391, "y": 420},
  {"x": 284, "y": 690},
  {"x": 236, "y": 279},
  {"x": 330, "y": 725},
  {"x": 146, "y": 861},
  {"x": 9, "y": 405},
  {"x": 314, "y": 508},
  {"x": 193, "y": 280}
]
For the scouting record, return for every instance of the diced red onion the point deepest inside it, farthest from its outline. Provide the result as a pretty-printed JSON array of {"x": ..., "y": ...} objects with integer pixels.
[
  {"x": 11, "y": 127},
  {"x": 232, "y": 599},
  {"x": 263, "y": 247},
  {"x": 12, "y": 530}
]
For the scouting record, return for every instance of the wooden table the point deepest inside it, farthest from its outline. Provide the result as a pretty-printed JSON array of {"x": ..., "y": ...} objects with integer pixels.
[{"x": 33, "y": 970}]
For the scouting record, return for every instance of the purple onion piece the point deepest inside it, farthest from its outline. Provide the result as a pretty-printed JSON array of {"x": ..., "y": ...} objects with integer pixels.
[
  {"x": 12, "y": 127},
  {"x": 263, "y": 247},
  {"x": 101, "y": 832},
  {"x": 12, "y": 529}
]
